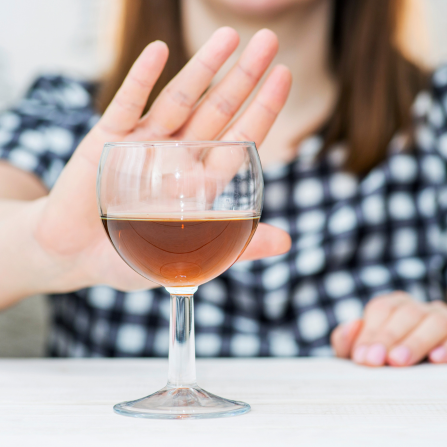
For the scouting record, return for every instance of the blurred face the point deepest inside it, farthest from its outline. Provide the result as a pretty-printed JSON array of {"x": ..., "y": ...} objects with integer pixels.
[{"x": 259, "y": 7}]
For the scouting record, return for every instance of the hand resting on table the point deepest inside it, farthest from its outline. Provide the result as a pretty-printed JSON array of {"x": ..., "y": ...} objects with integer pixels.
[{"x": 395, "y": 330}]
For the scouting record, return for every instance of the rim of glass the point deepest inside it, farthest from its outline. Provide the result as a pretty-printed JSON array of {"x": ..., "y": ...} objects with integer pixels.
[{"x": 174, "y": 143}]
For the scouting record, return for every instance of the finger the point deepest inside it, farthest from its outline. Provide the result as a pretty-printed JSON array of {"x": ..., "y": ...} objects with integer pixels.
[
  {"x": 267, "y": 241},
  {"x": 79, "y": 176},
  {"x": 418, "y": 344},
  {"x": 223, "y": 101},
  {"x": 174, "y": 104},
  {"x": 398, "y": 325},
  {"x": 260, "y": 115},
  {"x": 439, "y": 354},
  {"x": 254, "y": 123},
  {"x": 125, "y": 109},
  {"x": 343, "y": 337},
  {"x": 377, "y": 311}
]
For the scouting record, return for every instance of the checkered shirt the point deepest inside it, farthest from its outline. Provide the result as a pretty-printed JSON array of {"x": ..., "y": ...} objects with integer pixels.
[{"x": 353, "y": 238}]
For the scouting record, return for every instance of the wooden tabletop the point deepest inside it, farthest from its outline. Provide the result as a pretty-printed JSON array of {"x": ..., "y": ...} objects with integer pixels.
[{"x": 295, "y": 402}]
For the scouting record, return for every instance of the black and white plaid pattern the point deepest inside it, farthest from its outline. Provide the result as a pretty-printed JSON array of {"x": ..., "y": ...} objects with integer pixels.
[
  {"x": 353, "y": 238},
  {"x": 239, "y": 192}
]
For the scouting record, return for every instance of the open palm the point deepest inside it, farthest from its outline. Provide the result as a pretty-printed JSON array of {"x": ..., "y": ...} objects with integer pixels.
[{"x": 69, "y": 228}]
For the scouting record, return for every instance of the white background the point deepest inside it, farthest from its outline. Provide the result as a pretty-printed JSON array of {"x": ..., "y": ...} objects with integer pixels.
[{"x": 52, "y": 36}]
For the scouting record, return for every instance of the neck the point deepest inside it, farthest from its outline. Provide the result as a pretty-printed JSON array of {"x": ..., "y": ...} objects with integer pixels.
[{"x": 303, "y": 32}]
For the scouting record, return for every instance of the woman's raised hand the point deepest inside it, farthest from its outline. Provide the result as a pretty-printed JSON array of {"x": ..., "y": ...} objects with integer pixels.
[
  {"x": 395, "y": 330},
  {"x": 68, "y": 226}
]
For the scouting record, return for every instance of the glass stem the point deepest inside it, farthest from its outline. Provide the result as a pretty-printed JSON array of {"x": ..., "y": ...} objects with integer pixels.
[{"x": 182, "y": 355}]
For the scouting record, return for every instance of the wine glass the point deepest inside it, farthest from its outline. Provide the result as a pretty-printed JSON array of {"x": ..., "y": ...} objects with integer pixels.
[{"x": 180, "y": 214}]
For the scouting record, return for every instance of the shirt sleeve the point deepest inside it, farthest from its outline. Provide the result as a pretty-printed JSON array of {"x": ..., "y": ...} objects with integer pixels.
[{"x": 41, "y": 132}]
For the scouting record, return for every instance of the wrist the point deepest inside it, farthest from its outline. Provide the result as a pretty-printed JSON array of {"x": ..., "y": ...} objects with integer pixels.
[{"x": 26, "y": 268}]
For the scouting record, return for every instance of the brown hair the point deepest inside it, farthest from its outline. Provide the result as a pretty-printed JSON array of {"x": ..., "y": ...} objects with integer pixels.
[
  {"x": 143, "y": 22},
  {"x": 377, "y": 84}
]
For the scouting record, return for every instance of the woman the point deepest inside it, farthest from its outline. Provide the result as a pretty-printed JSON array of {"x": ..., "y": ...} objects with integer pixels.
[{"x": 350, "y": 173}]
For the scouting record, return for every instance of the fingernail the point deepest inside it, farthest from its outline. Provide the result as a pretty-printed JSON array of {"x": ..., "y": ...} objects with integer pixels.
[
  {"x": 376, "y": 355},
  {"x": 359, "y": 354},
  {"x": 438, "y": 355},
  {"x": 400, "y": 355}
]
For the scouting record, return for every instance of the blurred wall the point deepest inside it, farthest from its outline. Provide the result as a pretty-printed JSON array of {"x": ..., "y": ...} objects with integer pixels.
[
  {"x": 23, "y": 328},
  {"x": 52, "y": 36},
  {"x": 437, "y": 24}
]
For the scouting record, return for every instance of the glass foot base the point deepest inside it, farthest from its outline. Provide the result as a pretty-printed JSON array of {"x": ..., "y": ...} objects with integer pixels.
[{"x": 181, "y": 403}]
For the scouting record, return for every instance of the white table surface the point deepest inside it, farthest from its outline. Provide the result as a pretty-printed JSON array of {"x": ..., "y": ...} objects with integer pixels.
[{"x": 295, "y": 402}]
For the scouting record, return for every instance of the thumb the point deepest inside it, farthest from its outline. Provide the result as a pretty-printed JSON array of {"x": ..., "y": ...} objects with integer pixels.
[
  {"x": 267, "y": 241},
  {"x": 344, "y": 336}
]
